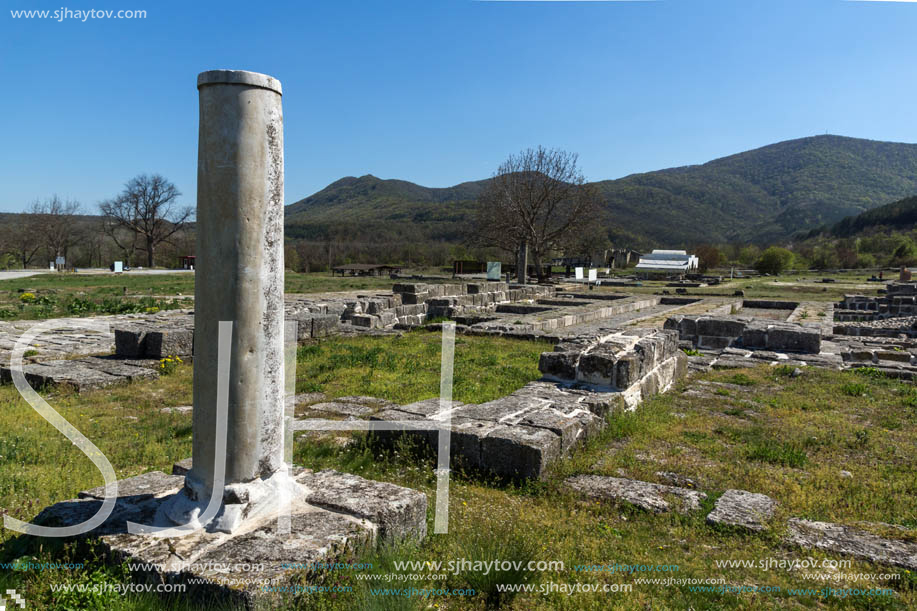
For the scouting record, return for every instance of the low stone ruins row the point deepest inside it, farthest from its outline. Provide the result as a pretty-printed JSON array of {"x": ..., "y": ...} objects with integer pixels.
[{"x": 741, "y": 510}]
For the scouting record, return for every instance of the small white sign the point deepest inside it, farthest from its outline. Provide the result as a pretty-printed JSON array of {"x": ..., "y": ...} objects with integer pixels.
[
  {"x": 593, "y": 275},
  {"x": 579, "y": 272},
  {"x": 51, "y": 265},
  {"x": 119, "y": 267},
  {"x": 493, "y": 270}
]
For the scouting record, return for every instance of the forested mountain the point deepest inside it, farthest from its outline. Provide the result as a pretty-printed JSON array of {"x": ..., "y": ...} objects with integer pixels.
[
  {"x": 383, "y": 210},
  {"x": 897, "y": 216},
  {"x": 763, "y": 195}
]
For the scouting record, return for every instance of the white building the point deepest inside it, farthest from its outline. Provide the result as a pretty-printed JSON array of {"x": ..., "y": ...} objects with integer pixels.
[{"x": 673, "y": 262}]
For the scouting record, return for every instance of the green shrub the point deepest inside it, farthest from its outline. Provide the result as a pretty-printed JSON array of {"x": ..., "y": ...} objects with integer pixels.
[
  {"x": 774, "y": 260},
  {"x": 169, "y": 364},
  {"x": 860, "y": 439},
  {"x": 740, "y": 379},
  {"x": 870, "y": 372},
  {"x": 78, "y": 305},
  {"x": 486, "y": 546},
  {"x": 854, "y": 389}
]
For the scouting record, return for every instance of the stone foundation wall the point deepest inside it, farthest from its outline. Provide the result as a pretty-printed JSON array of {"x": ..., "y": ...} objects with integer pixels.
[
  {"x": 637, "y": 363},
  {"x": 900, "y": 299},
  {"x": 520, "y": 435},
  {"x": 720, "y": 332}
]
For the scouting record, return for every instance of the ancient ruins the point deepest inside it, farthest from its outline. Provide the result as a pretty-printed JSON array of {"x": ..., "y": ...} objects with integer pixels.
[{"x": 240, "y": 498}]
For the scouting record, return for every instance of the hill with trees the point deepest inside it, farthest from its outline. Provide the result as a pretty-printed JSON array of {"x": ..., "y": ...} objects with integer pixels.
[
  {"x": 763, "y": 196},
  {"x": 896, "y": 216}
]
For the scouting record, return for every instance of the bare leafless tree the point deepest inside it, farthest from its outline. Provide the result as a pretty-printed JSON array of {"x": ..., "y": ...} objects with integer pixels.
[
  {"x": 538, "y": 197},
  {"x": 20, "y": 236},
  {"x": 148, "y": 210},
  {"x": 92, "y": 239},
  {"x": 56, "y": 223}
]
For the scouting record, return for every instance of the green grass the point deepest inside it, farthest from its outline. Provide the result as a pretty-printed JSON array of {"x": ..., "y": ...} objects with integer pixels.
[
  {"x": 796, "y": 286},
  {"x": 793, "y": 439},
  {"x": 67, "y": 294},
  {"x": 854, "y": 389},
  {"x": 740, "y": 379},
  {"x": 785, "y": 449},
  {"x": 485, "y": 368},
  {"x": 38, "y": 466}
]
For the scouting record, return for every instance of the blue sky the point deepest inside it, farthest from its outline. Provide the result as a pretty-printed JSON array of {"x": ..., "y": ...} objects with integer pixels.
[{"x": 441, "y": 91}]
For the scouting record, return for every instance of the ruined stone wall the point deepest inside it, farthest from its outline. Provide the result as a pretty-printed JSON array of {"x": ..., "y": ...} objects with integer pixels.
[{"x": 719, "y": 332}]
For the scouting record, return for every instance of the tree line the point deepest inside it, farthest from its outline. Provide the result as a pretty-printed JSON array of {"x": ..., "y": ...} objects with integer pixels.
[
  {"x": 142, "y": 225},
  {"x": 537, "y": 198},
  {"x": 882, "y": 249}
]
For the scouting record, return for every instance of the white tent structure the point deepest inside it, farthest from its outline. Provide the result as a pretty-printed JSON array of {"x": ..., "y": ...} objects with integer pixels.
[{"x": 668, "y": 262}]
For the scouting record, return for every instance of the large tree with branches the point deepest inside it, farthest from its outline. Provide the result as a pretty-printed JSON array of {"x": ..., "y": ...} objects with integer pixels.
[
  {"x": 148, "y": 210},
  {"x": 538, "y": 197},
  {"x": 56, "y": 219}
]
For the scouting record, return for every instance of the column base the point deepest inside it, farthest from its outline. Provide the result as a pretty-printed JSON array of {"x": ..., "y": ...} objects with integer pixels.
[
  {"x": 241, "y": 503},
  {"x": 258, "y": 562}
]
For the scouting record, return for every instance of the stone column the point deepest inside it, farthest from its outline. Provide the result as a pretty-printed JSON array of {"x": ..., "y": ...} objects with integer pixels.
[
  {"x": 239, "y": 274},
  {"x": 522, "y": 262}
]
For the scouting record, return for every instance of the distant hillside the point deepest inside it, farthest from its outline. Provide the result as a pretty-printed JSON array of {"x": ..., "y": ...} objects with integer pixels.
[
  {"x": 369, "y": 207},
  {"x": 766, "y": 194},
  {"x": 897, "y": 216},
  {"x": 763, "y": 195}
]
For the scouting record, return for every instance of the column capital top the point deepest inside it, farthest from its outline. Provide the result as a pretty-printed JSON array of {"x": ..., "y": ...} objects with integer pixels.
[{"x": 238, "y": 77}]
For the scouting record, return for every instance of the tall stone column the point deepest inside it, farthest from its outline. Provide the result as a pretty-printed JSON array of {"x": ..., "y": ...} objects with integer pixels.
[
  {"x": 239, "y": 274},
  {"x": 522, "y": 262}
]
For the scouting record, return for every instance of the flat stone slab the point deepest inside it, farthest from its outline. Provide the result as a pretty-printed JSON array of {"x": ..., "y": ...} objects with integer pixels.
[
  {"x": 645, "y": 495},
  {"x": 373, "y": 402},
  {"x": 339, "y": 408},
  {"x": 149, "y": 485},
  {"x": 83, "y": 374},
  {"x": 309, "y": 397},
  {"x": 852, "y": 542},
  {"x": 742, "y": 509},
  {"x": 340, "y": 514},
  {"x": 129, "y": 370},
  {"x": 181, "y": 409},
  {"x": 80, "y": 376},
  {"x": 427, "y": 407}
]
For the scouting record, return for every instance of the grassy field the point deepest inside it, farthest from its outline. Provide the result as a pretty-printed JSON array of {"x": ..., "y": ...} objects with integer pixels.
[
  {"x": 485, "y": 368},
  {"x": 53, "y": 295},
  {"x": 758, "y": 429},
  {"x": 790, "y": 287}
]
